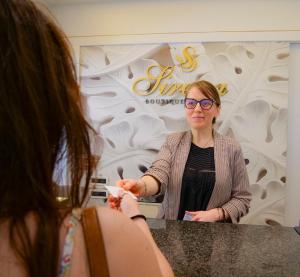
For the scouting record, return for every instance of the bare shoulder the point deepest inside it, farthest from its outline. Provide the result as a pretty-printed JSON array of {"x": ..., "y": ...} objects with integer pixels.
[{"x": 127, "y": 248}]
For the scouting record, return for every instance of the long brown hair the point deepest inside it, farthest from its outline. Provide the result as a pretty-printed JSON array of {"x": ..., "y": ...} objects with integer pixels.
[{"x": 40, "y": 122}]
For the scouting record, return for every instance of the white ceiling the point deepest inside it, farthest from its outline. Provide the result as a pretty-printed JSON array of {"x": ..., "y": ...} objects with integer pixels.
[{"x": 60, "y": 2}]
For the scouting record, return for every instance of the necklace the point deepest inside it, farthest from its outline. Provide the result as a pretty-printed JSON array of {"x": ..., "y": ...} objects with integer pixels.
[{"x": 206, "y": 144}]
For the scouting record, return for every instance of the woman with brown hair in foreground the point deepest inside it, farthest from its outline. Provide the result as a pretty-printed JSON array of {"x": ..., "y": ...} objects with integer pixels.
[{"x": 40, "y": 122}]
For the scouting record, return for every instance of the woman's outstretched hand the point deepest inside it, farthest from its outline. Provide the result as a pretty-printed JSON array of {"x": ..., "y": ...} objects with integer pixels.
[
  {"x": 129, "y": 206},
  {"x": 124, "y": 203},
  {"x": 114, "y": 202},
  {"x": 134, "y": 186}
]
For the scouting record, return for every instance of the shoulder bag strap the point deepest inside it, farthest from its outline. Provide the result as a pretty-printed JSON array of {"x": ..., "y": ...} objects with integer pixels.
[{"x": 94, "y": 243}]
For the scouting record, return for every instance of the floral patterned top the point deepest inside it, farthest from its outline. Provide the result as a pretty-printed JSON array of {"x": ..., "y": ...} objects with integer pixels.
[{"x": 72, "y": 224}]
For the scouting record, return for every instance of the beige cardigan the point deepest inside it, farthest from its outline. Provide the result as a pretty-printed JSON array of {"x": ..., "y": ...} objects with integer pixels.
[{"x": 231, "y": 190}]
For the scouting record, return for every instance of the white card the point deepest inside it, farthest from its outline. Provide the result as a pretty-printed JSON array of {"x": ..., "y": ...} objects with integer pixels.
[
  {"x": 187, "y": 217},
  {"x": 114, "y": 191}
]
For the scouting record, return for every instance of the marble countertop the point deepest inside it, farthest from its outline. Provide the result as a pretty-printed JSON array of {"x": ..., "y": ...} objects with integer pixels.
[{"x": 223, "y": 249}]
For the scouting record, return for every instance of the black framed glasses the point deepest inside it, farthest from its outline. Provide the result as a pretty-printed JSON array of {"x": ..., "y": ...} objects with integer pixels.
[{"x": 205, "y": 104}]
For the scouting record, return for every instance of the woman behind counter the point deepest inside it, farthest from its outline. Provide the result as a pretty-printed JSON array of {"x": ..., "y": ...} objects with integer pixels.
[{"x": 201, "y": 173}]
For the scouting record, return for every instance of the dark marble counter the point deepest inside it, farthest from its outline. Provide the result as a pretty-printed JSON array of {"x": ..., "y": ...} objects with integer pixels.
[{"x": 223, "y": 249}]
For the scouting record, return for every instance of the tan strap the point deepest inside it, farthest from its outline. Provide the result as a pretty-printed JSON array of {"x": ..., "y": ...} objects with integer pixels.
[{"x": 94, "y": 243}]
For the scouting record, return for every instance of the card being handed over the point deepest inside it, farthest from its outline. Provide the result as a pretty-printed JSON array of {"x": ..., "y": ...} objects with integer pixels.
[{"x": 115, "y": 191}]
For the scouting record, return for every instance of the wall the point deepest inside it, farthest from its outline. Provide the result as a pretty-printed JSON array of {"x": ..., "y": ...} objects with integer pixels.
[
  {"x": 203, "y": 20},
  {"x": 167, "y": 17},
  {"x": 293, "y": 161}
]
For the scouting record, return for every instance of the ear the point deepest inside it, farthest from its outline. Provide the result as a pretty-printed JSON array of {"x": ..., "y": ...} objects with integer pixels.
[
  {"x": 217, "y": 113},
  {"x": 218, "y": 110}
]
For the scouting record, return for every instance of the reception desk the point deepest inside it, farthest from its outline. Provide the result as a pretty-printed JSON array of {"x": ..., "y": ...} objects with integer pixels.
[{"x": 223, "y": 249}]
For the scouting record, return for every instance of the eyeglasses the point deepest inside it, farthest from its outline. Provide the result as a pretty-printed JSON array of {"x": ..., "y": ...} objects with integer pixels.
[{"x": 205, "y": 104}]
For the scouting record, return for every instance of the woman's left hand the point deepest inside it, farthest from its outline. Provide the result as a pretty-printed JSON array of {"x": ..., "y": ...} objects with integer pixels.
[{"x": 206, "y": 216}]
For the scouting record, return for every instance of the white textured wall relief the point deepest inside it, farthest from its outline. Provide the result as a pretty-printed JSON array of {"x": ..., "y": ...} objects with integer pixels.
[{"x": 134, "y": 125}]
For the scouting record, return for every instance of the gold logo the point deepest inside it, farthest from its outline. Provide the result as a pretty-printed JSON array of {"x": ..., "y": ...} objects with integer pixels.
[
  {"x": 156, "y": 76},
  {"x": 188, "y": 62}
]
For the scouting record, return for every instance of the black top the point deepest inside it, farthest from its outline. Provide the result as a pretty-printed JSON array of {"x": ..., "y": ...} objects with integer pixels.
[{"x": 198, "y": 180}]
